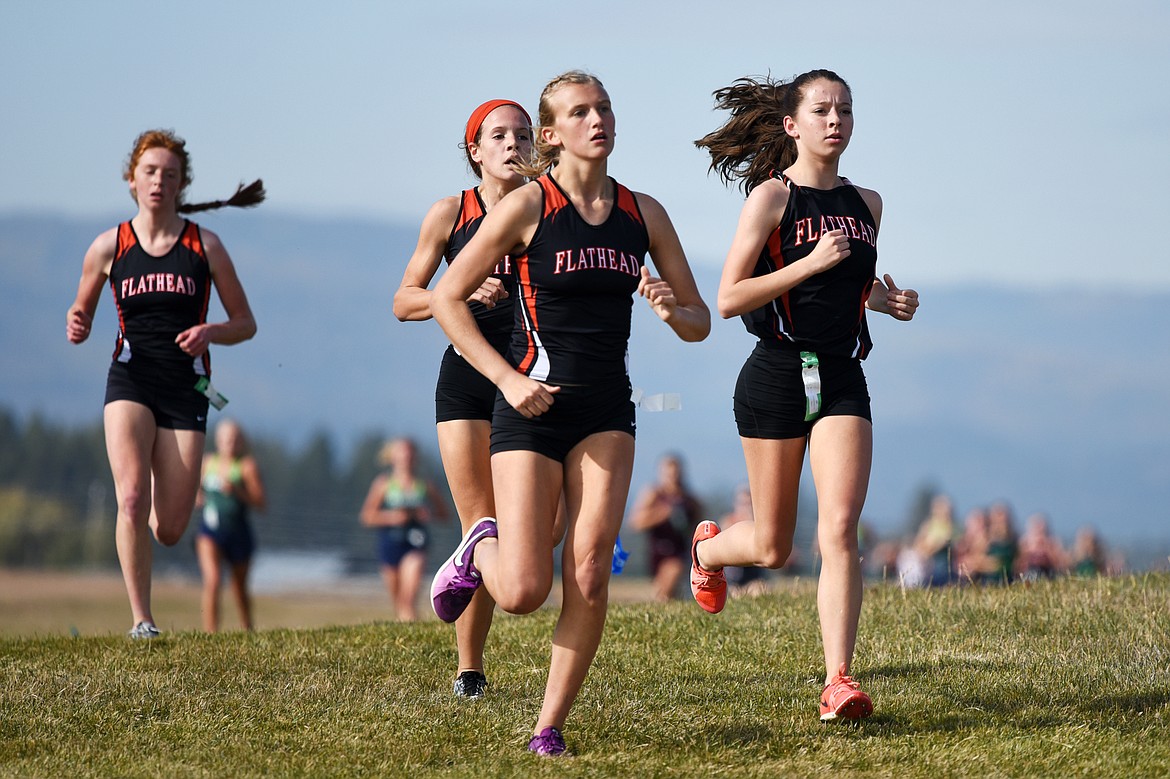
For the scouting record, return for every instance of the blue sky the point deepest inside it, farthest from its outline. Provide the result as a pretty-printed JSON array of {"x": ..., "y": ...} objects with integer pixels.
[{"x": 1013, "y": 143}]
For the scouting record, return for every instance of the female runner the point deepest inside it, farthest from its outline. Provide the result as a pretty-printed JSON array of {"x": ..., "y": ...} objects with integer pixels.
[
  {"x": 230, "y": 489},
  {"x": 497, "y": 139},
  {"x": 399, "y": 505},
  {"x": 160, "y": 268},
  {"x": 563, "y": 418},
  {"x": 800, "y": 272}
]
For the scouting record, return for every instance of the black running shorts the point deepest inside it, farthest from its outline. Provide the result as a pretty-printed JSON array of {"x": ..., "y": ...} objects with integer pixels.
[
  {"x": 168, "y": 391},
  {"x": 770, "y": 399},
  {"x": 462, "y": 392},
  {"x": 577, "y": 412}
]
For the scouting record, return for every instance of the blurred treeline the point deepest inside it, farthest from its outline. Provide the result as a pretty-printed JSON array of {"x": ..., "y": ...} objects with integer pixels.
[{"x": 57, "y": 504}]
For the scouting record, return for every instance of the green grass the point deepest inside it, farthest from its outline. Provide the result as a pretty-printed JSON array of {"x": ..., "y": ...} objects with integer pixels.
[{"x": 1056, "y": 679}]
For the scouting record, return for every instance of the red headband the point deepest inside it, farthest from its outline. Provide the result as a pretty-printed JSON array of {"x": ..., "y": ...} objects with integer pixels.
[{"x": 479, "y": 114}]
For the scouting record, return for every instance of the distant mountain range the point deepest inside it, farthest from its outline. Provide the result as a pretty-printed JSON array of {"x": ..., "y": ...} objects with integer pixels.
[{"x": 1054, "y": 400}]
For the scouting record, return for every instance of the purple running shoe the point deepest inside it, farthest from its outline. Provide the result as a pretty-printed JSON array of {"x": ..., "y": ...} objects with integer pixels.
[
  {"x": 457, "y": 579},
  {"x": 548, "y": 742}
]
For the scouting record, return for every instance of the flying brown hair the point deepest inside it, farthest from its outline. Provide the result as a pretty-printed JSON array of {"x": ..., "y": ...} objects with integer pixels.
[{"x": 752, "y": 143}]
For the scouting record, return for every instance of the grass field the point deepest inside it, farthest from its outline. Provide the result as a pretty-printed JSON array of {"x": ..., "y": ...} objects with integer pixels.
[
  {"x": 1068, "y": 678},
  {"x": 46, "y": 604}
]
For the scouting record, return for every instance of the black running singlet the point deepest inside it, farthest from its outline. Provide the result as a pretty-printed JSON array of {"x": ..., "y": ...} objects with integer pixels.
[
  {"x": 824, "y": 313},
  {"x": 159, "y": 297},
  {"x": 495, "y": 323},
  {"x": 576, "y": 283}
]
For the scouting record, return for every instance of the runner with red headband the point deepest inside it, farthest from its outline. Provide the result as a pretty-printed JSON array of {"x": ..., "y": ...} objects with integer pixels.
[{"x": 497, "y": 141}]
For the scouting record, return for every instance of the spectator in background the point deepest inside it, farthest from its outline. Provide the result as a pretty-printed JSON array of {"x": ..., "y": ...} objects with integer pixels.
[
  {"x": 882, "y": 561},
  {"x": 935, "y": 539},
  {"x": 911, "y": 567},
  {"x": 972, "y": 561},
  {"x": 1002, "y": 544},
  {"x": 1088, "y": 556},
  {"x": 989, "y": 552},
  {"x": 399, "y": 505},
  {"x": 231, "y": 486},
  {"x": 668, "y": 513},
  {"x": 1041, "y": 555}
]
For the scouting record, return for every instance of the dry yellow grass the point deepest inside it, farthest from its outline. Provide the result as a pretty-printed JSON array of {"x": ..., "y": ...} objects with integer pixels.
[
  {"x": 39, "y": 603},
  {"x": 55, "y": 603}
]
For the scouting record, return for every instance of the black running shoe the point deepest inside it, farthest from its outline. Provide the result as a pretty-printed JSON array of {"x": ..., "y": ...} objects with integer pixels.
[{"x": 470, "y": 684}]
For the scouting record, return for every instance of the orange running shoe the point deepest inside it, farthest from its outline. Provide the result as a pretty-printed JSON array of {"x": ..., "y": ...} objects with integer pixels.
[
  {"x": 708, "y": 587},
  {"x": 842, "y": 698}
]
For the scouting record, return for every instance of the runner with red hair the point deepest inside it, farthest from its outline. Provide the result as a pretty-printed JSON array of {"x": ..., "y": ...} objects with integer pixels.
[{"x": 161, "y": 269}]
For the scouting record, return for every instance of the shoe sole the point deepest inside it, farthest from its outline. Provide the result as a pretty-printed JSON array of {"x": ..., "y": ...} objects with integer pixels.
[
  {"x": 850, "y": 711},
  {"x": 467, "y": 541},
  {"x": 695, "y": 567}
]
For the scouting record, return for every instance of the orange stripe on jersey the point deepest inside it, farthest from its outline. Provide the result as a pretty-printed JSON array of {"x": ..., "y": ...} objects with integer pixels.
[
  {"x": 192, "y": 239},
  {"x": 554, "y": 199},
  {"x": 628, "y": 203},
  {"x": 119, "y": 340},
  {"x": 528, "y": 300},
  {"x": 776, "y": 251},
  {"x": 126, "y": 240},
  {"x": 469, "y": 210}
]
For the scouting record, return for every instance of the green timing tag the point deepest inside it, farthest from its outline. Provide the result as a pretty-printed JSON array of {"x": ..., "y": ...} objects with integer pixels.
[
  {"x": 204, "y": 386},
  {"x": 810, "y": 373}
]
